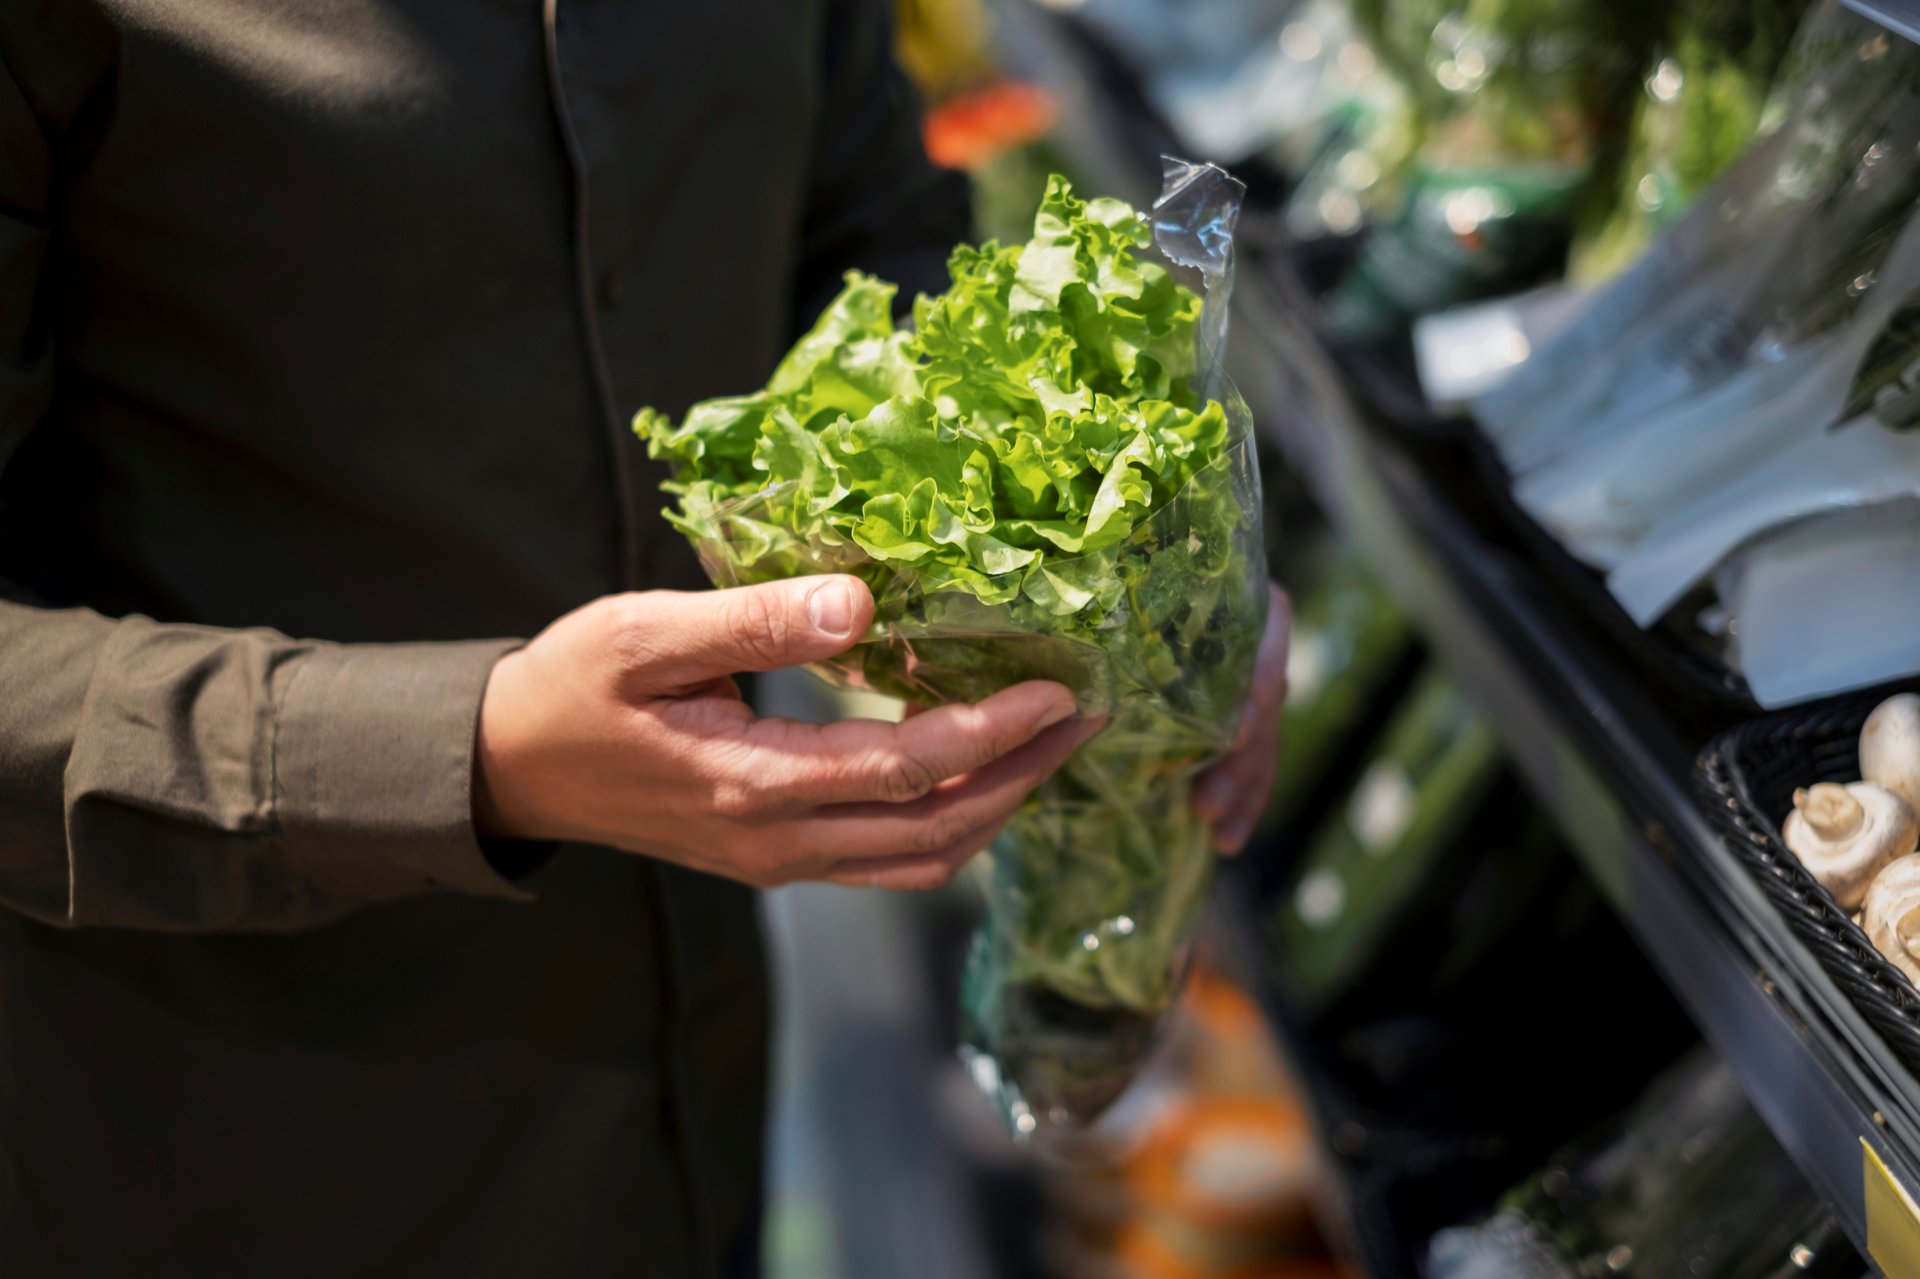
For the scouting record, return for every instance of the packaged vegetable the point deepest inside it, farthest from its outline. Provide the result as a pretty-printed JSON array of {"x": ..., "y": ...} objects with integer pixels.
[
  {"x": 1777, "y": 254},
  {"x": 1515, "y": 101},
  {"x": 1350, "y": 643},
  {"x": 1685, "y": 1181},
  {"x": 1423, "y": 782},
  {"x": 1814, "y": 438},
  {"x": 1048, "y": 477},
  {"x": 1658, "y": 498},
  {"x": 1700, "y": 106},
  {"x": 1355, "y": 133}
]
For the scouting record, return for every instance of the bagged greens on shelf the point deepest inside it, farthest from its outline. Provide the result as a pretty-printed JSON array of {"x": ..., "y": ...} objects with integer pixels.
[
  {"x": 1349, "y": 641},
  {"x": 1830, "y": 429},
  {"x": 1811, "y": 541},
  {"x": 1422, "y": 783},
  {"x": 1495, "y": 132},
  {"x": 1514, "y": 105},
  {"x": 1777, "y": 253},
  {"x": 1754, "y": 370},
  {"x": 1703, "y": 471},
  {"x": 1687, "y": 1182},
  {"x": 1049, "y": 477},
  {"x": 1355, "y": 134},
  {"x": 1700, "y": 108}
]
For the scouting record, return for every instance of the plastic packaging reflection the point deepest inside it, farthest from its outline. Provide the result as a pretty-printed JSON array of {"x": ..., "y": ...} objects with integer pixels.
[{"x": 1095, "y": 884}]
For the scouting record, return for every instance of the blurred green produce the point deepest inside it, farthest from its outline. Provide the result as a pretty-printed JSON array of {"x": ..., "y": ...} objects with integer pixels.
[
  {"x": 1492, "y": 134},
  {"x": 1349, "y": 640},
  {"x": 1422, "y": 785},
  {"x": 1701, "y": 106}
]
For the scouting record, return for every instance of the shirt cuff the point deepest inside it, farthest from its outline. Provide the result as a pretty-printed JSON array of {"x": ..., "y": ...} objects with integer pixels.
[{"x": 373, "y": 768}]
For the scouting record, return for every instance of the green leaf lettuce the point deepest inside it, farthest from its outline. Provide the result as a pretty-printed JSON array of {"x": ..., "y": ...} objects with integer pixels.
[{"x": 1033, "y": 488}]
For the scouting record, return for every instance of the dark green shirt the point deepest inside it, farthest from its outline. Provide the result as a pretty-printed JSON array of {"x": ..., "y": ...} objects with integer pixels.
[{"x": 320, "y": 325}]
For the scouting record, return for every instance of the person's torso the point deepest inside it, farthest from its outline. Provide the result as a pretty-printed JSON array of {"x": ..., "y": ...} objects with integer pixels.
[
  {"x": 351, "y": 300},
  {"x": 331, "y": 279}
]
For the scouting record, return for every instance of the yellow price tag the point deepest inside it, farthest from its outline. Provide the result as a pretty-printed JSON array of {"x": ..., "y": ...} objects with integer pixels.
[{"x": 1893, "y": 1223}]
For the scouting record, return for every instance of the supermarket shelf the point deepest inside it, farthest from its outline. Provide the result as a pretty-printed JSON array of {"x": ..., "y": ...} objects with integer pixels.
[
  {"x": 1591, "y": 740},
  {"x": 1585, "y": 732}
]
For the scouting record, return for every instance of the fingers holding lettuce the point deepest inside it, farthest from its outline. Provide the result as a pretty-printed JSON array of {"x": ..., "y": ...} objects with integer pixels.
[
  {"x": 621, "y": 725},
  {"x": 1232, "y": 794}
]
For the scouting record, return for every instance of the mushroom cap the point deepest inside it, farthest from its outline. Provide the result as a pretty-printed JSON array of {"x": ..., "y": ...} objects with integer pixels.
[
  {"x": 1890, "y": 747},
  {"x": 1891, "y": 915},
  {"x": 1844, "y": 835}
]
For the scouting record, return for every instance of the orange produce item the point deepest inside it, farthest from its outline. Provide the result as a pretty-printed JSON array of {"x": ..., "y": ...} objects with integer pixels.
[{"x": 967, "y": 131}]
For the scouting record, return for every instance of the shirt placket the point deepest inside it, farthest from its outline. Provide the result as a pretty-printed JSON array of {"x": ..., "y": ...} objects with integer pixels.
[
  {"x": 599, "y": 235},
  {"x": 591, "y": 126}
]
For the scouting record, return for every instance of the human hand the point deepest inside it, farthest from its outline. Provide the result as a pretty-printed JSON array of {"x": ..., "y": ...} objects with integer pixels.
[
  {"x": 620, "y": 724},
  {"x": 1233, "y": 792}
]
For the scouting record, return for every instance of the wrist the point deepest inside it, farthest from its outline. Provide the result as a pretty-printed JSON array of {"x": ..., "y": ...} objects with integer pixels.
[{"x": 491, "y": 818}]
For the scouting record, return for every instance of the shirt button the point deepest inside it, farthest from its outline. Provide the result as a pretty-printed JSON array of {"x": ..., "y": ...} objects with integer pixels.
[{"x": 612, "y": 290}]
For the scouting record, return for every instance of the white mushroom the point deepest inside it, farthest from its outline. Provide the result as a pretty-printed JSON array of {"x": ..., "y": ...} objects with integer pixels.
[
  {"x": 1892, "y": 915},
  {"x": 1890, "y": 747},
  {"x": 1845, "y": 834}
]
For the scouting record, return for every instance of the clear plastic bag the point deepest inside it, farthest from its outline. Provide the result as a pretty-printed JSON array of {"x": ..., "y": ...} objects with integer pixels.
[
  {"x": 1094, "y": 887},
  {"x": 1698, "y": 110},
  {"x": 1772, "y": 257},
  {"x": 1827, "y": 604},
  {"x": 1512, "y": 109}
]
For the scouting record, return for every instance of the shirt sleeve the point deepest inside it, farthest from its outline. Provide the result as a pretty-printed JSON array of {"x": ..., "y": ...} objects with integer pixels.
[
  {"x": 875, "y": 202},
  {"x": 188, "y": 778}
]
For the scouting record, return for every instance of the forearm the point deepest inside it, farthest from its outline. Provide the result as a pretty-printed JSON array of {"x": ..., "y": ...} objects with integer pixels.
[{"x": 189, "y": 778}]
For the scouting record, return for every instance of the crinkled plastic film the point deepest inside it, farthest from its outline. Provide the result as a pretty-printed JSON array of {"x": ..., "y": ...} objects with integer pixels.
[
  {"x": 1095, "y": 885},
  {"x": 1774, "y": 255}
]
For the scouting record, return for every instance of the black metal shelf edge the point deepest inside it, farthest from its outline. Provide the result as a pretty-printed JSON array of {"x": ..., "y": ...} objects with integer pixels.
[{"x": 1902, "y": 17}]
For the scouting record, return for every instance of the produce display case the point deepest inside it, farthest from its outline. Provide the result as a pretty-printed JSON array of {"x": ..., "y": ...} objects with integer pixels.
[
  {"x": 1605, "y": 733},
  {"x": 1603, "y": 750}
]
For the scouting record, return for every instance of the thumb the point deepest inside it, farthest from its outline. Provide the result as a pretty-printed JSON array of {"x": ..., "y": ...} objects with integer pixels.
[{"x": 707, "y": 635}]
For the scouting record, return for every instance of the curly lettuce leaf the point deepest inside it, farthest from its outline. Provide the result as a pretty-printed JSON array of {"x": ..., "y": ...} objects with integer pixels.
[{"x": 1039, "y": 411}]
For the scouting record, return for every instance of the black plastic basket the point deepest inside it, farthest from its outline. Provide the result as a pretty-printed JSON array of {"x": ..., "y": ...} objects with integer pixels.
[
  {"x": 1746, "y": 778},
  {"x": 1707, "y": 683}
]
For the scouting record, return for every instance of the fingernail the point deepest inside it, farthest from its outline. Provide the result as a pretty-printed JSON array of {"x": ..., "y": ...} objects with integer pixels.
[
  {"x": 1056, "y": 713},
  {"x": 831, "y": 608},
  {"x": 1210, "y": 796}
]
